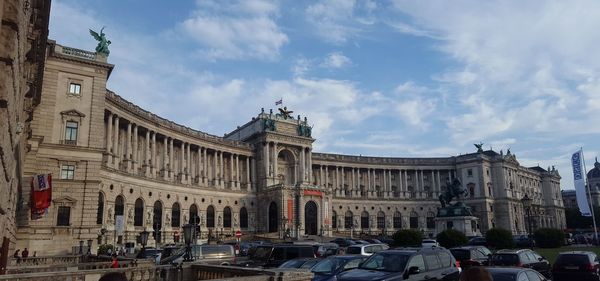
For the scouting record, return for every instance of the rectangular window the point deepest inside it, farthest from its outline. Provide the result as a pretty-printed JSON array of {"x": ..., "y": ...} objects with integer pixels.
[
  {"x": 470, "y": 172},
  {"x": 74, "y": 88},
  {"x": 63, "y": 217},
  {"x": 71, "y": 132},
  {"x": 67, "y": 172},
  {"x": 430, "y": 222}
]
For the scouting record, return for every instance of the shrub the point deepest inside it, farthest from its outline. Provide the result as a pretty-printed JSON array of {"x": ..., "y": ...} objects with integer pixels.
[
  {"x": 451, "y": 238},
  {"x": 407, "y": 238},
  {"x": 499, "y": 238},
  {"x": 549, "y": 237},
  {"x": 103, "y": 249}
]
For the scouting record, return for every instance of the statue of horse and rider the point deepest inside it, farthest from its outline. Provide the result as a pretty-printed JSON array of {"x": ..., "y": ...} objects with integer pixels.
[{"x": 453, "y": 190}]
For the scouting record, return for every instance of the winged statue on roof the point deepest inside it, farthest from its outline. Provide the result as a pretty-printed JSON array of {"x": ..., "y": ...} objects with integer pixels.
[{"x": 103, "y": 43}]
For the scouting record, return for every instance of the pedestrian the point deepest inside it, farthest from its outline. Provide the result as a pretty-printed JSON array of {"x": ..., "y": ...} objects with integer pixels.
[
  {"x": 476, "y": 273},
  {"x": 115, "y": 262},
  {"x": 17, "y": 256},
  {"x": 25, "y": 253}
]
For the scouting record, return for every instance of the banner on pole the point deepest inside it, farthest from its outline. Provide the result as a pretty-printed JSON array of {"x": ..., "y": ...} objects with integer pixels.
[
  {"x": 119, "y": 225},
  {"x": 579, "y": 183}
]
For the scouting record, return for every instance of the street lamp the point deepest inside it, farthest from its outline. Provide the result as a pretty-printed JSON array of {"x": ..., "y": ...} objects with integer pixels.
[
  {"x": 144, "y": 239},
  {"x": 527, "y": 206},
  {"x": 187, "y": 237},
  {"x": 80, "y": 247}
]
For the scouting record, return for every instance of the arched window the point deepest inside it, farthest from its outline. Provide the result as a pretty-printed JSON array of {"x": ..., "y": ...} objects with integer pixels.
[
  {"x": 380, "y": 220},
  {"x": 430, "y": 220},
  {"x": 157, "y": 221},
  {"x": 210, "y": 216},
  {"x": 176, "y": 215},
  {"x": 138, "y": 218},
  {"x": 414, "y": 220},
  {"x": 397, "y": 220},
  {"x": 194, "y": 219},
  {"x": 348, "y": 220},
  {"x": 364, "y": 220},
  {"x": 243, "y": 218},
  {"x": 227, "y": 217},
  {"x": 334, "y": 220},
  {"x": 100, "y": 214},
  {"x": 119, "y": 206}
]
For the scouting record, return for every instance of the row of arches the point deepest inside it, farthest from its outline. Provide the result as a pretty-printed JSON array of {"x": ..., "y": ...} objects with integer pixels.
[
  {"x": 175, "y": 219},
  {"x": 382, "y": 221}
]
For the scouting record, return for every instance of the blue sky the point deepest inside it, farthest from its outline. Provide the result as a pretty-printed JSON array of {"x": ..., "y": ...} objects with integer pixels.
[{"x": 384, "y": 78}]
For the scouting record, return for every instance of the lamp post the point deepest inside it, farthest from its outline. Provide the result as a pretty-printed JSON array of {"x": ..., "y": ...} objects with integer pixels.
[
  {"x": 81, "y": 247},
  {"x": 187, "y": 237},
  {"x": 527, "y": 206},
  {"x": 144, "y": 239}
]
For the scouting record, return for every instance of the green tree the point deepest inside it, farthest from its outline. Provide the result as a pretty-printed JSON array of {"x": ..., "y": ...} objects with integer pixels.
[
  {"x": 407, "y": 238},
  {"x": 451, "y": 238},
  {"x": 499, "y": 238},
  {"x": 549, "y": 237}
]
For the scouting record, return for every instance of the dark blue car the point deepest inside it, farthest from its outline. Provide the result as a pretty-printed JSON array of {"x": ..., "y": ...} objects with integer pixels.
[{"x": 329, "y": 268}]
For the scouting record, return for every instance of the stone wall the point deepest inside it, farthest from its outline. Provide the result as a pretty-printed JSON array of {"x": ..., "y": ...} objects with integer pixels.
[{"x": 23, "y": 35}]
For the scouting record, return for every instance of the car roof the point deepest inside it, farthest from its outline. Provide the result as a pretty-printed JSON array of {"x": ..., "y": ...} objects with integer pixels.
[
  {"x": 349, "y": 257},
  {"x": 506, "y": 269},
  {"x": 577, "y": 253},
  {"x": 466, "y": 248},
  {"x": 511, "y": 251}
]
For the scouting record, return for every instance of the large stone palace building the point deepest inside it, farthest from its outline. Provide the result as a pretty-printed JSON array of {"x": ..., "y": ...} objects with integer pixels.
[{"x": 119, "y": 169}]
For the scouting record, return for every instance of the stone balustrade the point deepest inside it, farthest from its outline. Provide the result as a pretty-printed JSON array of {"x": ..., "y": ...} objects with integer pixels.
[
  {"x": 233, "y": 273},
  {"x": 46, "y": 260},
  {"x": 79, "y": 266},
  {"x": 140, "y": 273}
]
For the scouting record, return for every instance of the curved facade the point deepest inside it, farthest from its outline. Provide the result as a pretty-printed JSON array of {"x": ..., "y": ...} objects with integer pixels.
[{"x": 120, "y": 170}]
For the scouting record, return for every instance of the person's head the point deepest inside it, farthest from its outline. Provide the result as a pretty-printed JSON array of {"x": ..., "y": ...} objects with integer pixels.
[
  {"x": 113, "y": 276},
  {"x": 476, "y": 273},
  {"x": 25, "y": 249}
]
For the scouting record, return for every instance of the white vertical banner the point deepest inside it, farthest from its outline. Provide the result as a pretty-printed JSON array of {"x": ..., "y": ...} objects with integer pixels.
[
  {"x": 119, "y": 225},
  {"x": 579, "y": 183}
]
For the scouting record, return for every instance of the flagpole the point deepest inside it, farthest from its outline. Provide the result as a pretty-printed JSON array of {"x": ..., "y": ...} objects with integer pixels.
[{"x": 589, "y": 196}]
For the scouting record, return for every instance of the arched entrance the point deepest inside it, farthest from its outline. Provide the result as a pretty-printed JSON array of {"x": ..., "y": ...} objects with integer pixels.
[
  {"x": 286, "y": 168},
  {"x": 273, "y": 220},
  {"x": 311, "y": 218}
]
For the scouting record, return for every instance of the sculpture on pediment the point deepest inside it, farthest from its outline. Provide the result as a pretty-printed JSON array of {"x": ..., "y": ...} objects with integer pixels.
[
  {"x": 285, "y": 113},
  {"x": 479, "y": 147},
  {"x": 103, "y": 43},
  {"x": 270, "y": 124}
]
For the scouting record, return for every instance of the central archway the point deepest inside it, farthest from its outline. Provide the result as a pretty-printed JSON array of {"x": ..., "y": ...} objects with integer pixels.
[
  {"x": 311, "y": 220},
  {"x": 273, "y": 217},
  {"x": 286, "y": 167}
]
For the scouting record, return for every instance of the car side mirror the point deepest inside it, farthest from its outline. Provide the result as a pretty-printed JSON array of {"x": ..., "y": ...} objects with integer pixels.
[
  {"x": 414, "y": 270},
  {"x": 541, "y": 258}
]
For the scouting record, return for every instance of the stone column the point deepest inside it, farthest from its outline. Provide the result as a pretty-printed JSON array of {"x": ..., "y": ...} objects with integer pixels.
[
  {"x": 146, "y": 165},
  {"x": 309, "y": 165},
  {"x": 231, "y": 178},
  {"x": 237, "y": 172},
  {"x": 266, "y": 160},
  {"x": 247, "y": 173},
  {"x": 439, "y": 183},
  {"x": 389, "y": 189},
  {"x": 164, "y": 158},
  {"x": 252, "y": 175},
  {"x": 116, "y": 149},
  {"x": 128, "y": 148},
  {"x": 109, "y": 140},
  {"x": 221, "y": 170},
  {"x": 199, "y": 168},
  {"x": 343, "y": 180},
  {"x": 326, "y": 177},
  {"x": 135, "y": 149},
  {"x": 320, "y": 181},
  {"x": 274, "y": 159},
  {"x": 171, "y": 155},
  {"x": 215, "y": 172},
  {"x": 205, "y": 166},
  {"x": 181, "y": 163},
  {"x": 301, "y": 167},
  {"x": 405, "y": 181},
  {"x": 152, "y": 161}
]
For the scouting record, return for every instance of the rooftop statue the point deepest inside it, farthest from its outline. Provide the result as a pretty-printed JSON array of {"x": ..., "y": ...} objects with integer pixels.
[
  {"x": 479, "y": 146},
  {"x": 103, "y": 43},
  {"x": 285, "y": 113}
]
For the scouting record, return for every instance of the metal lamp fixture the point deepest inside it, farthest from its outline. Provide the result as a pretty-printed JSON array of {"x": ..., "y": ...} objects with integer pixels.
[
  {"x": 187, "y": 237},
  {"x": 144, "y": 239},
  {"x": 527, "y": 206}
]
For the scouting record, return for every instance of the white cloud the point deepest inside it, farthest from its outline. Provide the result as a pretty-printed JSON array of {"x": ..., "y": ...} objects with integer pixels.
[
  {"x": 336, "y": 60},
  {"x": 236, "y": 29},
  {"x": 337, "y": 21}
]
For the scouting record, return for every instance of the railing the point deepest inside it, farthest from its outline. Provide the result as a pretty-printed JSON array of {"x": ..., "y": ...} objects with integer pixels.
[
  {"x": 150, "y": 273},
  {"x": 46, "y": 260},
  {"x": 78, "y": 53},
  {"x": 79, "y": 266},
  {"x": 216, "y": 272}
]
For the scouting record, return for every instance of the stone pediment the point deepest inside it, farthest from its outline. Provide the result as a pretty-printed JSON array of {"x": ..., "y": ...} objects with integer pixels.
[
  {"x": 64, "y": 201},
  {"x": 72, "y": 112}
]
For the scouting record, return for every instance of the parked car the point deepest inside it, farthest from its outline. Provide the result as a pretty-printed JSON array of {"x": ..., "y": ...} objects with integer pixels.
[
  {"x": 515, "y": 274},
  {"x": 343, "y": 242},
  {"x": 523, "y": 241},
  {"x": 168, "y": 251},
  {"x": 328, "y": 269},
  {"x": 477, "y": 241},
  {"x": 521, "y": 258},
  {"x": 469, "y": 256},
  {"x": 209, "y": 254},
  {"x": 429, "y": 243},
  {"x": 148, "y": 253},
  {"x": 302, "y": 263},
  {"x": 576, "y": 265},
  {"x": 269, "y": 256},
  {"x": 360, "y": 241},
  {"x": 405, "y": 264},
  {"x": 327, "y": 249},
  {"x": 366, "y": 250},
  {"x": 374, "y": 241}
]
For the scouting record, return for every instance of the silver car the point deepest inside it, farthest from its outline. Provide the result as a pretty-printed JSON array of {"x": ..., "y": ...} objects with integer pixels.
[{"x": 366, "y": 250}]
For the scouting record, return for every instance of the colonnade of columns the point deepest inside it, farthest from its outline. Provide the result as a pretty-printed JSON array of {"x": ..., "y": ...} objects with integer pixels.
[
  {"x": 361, "y": 182},
  {"x": 303, "y": 171},
  {"x": 175, "y": 160}
]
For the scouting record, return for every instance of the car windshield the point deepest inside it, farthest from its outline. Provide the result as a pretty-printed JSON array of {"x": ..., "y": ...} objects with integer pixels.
[
  {"x": 393, "y": 262},
  {"x": 505, "y": 259},
  {"x": 310, "y": 263},
  {"x": 292, "y": 264},
  {"x": 217, "y": 250},
  {"x": 572, "y": 259},
  {"x": 504, "y": 276},
  {"x": 353, "y": 250},
  {"x": 262, "y": 253},
  {"x": 328, "y": 265},
  {"x": 461, "y": 254}
]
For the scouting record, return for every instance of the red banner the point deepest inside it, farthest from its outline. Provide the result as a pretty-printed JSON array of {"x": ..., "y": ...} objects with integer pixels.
[
  {"x": 290, "y": 210},
  {"x": 313, "y": 193}
]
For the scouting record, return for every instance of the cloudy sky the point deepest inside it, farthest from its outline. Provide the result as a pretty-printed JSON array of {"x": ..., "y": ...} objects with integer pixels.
[{"x": 382, "y": 78}]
